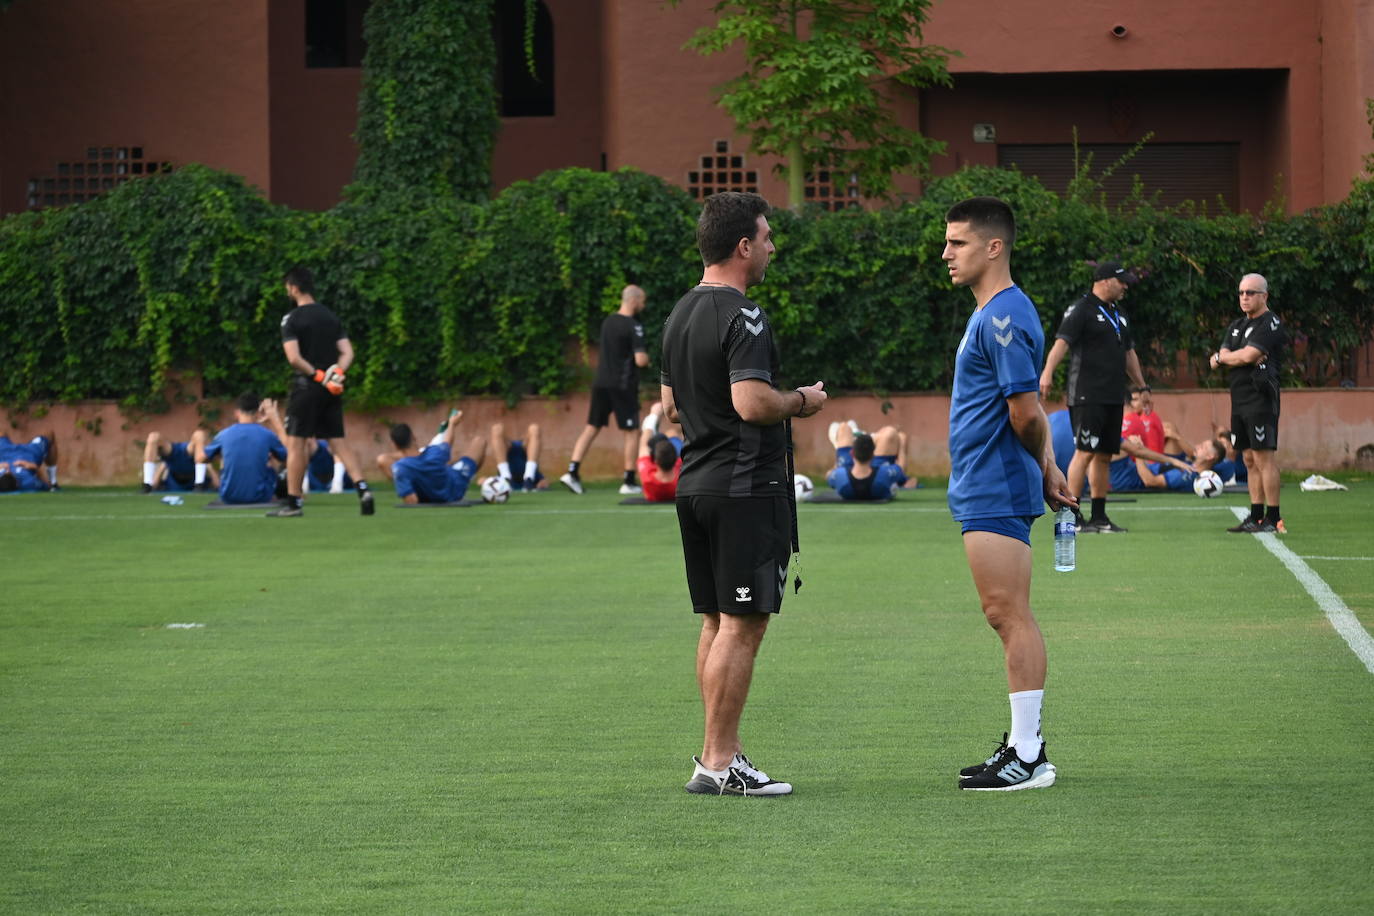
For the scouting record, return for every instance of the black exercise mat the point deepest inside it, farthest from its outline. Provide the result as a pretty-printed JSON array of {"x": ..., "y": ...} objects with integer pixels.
[
  {"x": 462, "y": 503},
  {"x": 222, "y": 505},
  {"x": 830, "y": 496}
]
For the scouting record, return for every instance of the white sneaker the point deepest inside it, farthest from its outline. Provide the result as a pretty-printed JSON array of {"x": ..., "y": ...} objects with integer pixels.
[
  {"x": 571, "y": 482},
  {"x": 629, "y": 489},
  {"x": 736, "y": 781}
]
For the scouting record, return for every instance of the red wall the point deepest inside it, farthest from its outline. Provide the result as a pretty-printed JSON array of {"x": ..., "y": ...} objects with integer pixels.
[
  {"x": 1322, "y": 430},
  {"x": 185, "y": 81}
]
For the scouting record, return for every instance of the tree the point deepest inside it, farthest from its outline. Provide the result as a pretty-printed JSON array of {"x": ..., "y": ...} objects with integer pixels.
[{"x": 818, "y": 86}]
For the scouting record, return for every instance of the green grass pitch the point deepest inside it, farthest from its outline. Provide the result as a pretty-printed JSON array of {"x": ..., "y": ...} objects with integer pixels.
[{"x": 493, "y": 709}]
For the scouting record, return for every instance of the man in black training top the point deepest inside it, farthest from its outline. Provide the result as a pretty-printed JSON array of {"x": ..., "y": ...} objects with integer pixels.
[
  {"x": 733, "y": 507},
  {"x": 316, "y": 346},
  {"x": 1251, "y": 349},
  {"x": 1103, "y": 359},
  {"x": 616, "y": 388}
]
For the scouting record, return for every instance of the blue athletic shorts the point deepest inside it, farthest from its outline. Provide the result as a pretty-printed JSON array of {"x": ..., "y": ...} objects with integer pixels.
[{"x": 1016, "y": 526}]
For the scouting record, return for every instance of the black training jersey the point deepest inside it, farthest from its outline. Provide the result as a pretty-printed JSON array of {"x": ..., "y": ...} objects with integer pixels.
[
  {"x": 714, "y": 338},
  {"x": 1099, "y": 339},
  {"x": 317, "y": 330},
  {"x": 621, "y": 338},
  {"x": 1256, "y": 387}
]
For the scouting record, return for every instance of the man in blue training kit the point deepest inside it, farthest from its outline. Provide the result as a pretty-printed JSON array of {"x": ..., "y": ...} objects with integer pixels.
[
  {"x": 429, "y": 474},
  {"x": 1002, "y": 471},
  {"x": 245, "y": 449},
  {"x": 28, "y": 467}
]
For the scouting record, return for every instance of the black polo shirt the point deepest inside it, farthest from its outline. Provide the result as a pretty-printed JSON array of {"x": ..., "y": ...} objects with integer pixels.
[
  {"x": 317, "y": 331},
  {"x": 715, "y": 337},
  {"x": 1099, "y": 338},
  {"x": 1254, "y": 388}
]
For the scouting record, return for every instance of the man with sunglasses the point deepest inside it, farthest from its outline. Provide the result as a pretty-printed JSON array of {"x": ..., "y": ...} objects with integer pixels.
[{"x": 1251, "y": 349}]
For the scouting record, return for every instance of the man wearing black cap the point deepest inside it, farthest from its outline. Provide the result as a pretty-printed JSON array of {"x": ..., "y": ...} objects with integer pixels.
[{"x": 1103, "y": 359}]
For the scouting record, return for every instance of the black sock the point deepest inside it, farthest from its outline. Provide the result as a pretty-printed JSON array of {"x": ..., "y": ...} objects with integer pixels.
[
  {"x": 297, "y": 502},
  {"x": 573, "y": 466},
  {"x": 1099, "y": 508},
  {"x": 1257, "y": 512},
  {"x": 630, "y": 478},
  {"x": 1272, "y": 515},
  {"x": 362, "y": 487}
]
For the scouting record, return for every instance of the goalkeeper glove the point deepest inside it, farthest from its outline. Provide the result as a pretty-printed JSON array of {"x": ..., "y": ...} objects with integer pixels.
[{"x": 332, "y": 379}]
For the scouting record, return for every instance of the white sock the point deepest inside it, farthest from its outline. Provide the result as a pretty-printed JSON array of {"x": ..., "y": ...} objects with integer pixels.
[
  {"x": 52, "y": 474},
  {"x": 651, "y": 423},
  {"x": 503, "y": 468},
  {"x": 531, "y": 470},
  {"x": 202, "y": 472},
  {"x": 715, "y": 774},
  {"x": 336, "y": 485},
  {"x": 149, "y": 472},
  {"x": 1025, "y": 723}
]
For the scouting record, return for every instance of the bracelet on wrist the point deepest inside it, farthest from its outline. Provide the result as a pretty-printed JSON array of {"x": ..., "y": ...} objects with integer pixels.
[{"x": 803, "y": 401}]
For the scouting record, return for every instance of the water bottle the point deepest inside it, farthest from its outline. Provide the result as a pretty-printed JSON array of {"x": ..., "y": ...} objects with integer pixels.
[
  {"x": 172, "y": 500},
  {"x": 1064, "y": 540}
]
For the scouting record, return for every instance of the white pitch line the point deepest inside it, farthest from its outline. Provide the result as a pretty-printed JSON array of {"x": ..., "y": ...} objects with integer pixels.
[
  {"x": 1311, "y": 557},
  {"x": 1341, "y": 617}
]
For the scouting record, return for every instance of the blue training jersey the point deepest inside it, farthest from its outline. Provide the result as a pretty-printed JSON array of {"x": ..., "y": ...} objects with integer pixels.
[
  {"x": 429, "y": 476},
  {"x": 991, "y": 473},
  {"x": 244, "y": 449}
]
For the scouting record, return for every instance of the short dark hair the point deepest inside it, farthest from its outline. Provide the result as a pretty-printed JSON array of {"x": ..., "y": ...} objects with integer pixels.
[
  {"x": 863, "y": 447},
  {"x": 726, "y": 218},
  {"x": 665, "y": 454},
  {"x": 300, "y": 278},
  {"x": 8, "y": 482},
  {"x": 401, "y": 436},
  {"x": 990, "y": 217},
  {"x": 248, "y": 402}
]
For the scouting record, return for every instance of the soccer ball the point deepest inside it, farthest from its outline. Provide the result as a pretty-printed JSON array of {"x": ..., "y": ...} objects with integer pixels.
[
  {"x": 495, "y": 490},
  {"x": 1208, "y": 484},
  {"x": 804, "y": 487}
]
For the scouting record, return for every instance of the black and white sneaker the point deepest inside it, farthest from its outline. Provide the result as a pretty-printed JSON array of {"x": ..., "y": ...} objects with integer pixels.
[
  {"x": 366, "y": 504},
  {"x": 736, "y": 781},
  {"x": 977, "y": 768},
  {"x": 768, "y": 786},
  {"x": 572, "y": 482},
  {"x": 1247, "y": 526},
  {"x": 1009, "y": 772}
]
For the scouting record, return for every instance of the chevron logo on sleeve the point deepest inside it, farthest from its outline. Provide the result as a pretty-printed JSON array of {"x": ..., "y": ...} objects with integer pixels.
[{"x": 999, "y": 324}]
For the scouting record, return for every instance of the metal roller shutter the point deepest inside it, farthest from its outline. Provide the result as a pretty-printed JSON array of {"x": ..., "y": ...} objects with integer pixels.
[{"x": 1179, "y": 171}]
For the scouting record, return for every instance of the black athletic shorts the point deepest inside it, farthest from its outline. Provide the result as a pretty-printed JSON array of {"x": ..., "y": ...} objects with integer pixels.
[
  {"x": 625, "y": 403},
  {"x": 1096, "y": 428},
  {"x": 312, "y": 412},
  {"x": 736, "y": 550},
  {"x": 1259, "y": 431}
]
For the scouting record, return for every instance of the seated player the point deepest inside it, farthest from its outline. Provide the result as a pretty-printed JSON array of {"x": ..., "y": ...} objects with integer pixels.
[
  {"x": 324, "y": 471},
  {"x": 1140, "y": 414},
  {"x": 1239, "y": 472},
  {"x": 1137, "y": 468},
  {"x": 520, "y": 467},
  {"x": 246, "y": 451},
  {"x": 173, "y": 465},
  {"x": 427, "y": 475},
  {"x": 29, "y": 467},
  {"x": 659, "y": 462},
  {"x": 868, "y": 467}
]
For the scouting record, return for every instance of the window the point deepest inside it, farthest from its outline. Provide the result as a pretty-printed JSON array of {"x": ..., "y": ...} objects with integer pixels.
[
  {"x": 1179, "y": 171},
  {"x": 334, "y": 33},
  {"x": 832, "y": 189},
  {"x": 523, "y": 95},
  {"x": 721, "y": 171},
  {"x": 78, "y": 181}
]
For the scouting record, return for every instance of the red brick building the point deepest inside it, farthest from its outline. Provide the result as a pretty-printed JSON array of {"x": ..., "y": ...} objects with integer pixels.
[{"x": 1243, "y": 98}]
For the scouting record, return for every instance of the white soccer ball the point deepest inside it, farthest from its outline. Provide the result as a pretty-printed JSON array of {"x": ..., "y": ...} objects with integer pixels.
[
  {"x": 1208, "y": 484},
  {"x": 804, "y": 487},
  {"x": 495, "y": 490}
]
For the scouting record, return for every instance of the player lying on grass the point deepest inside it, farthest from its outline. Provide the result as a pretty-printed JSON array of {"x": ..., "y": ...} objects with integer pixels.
[
  {"x": 28, "y": 467},
  {"x": 173, "y": 465},
  {"x": 659, "y": 463},
  {"x": 868, "y": 467},
  {"x": 428, "y": 475},
  {"x": 520, "y": 465}
]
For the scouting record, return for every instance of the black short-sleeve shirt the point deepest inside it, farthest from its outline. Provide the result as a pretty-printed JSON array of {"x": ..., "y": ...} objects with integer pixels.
[
  {"x": 715, "y": 337},
  {"x": 1099, "y": 337},
  {"x": 317, "y": 331},
  {"x": 1254, "y": 388},
  {"x": 621, "y": 338}
]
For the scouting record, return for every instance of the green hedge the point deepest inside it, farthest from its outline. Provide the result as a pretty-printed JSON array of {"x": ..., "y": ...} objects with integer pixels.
[{"x": 182, "y": 272}]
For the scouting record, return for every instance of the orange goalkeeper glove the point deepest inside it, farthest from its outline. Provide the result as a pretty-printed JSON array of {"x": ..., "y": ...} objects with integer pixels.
[{"x": 332, "y": 379}]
